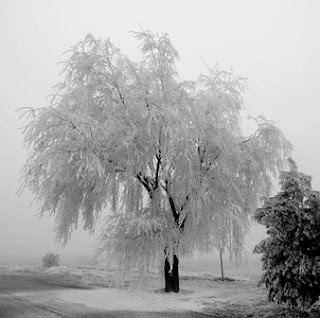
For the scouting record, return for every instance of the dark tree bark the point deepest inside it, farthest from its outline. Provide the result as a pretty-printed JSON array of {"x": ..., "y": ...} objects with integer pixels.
[
  {"x": 172, "y": 277},
  {"x": 221, "y": 263}
]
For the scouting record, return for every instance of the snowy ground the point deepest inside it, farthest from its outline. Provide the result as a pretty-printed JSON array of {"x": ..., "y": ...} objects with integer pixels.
[{"x": 83, "y": 290}]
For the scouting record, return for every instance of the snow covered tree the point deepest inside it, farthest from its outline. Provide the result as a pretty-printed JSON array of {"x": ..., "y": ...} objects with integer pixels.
[
  {"x": 229, "y": 230},
  {"x": 51, "y": 260},
  {"x": 161, "y": 155},
  {"x": 291, "y": 253}
]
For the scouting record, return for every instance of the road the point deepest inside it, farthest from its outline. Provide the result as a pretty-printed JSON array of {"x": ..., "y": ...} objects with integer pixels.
[{"x": 30, "y": 296}]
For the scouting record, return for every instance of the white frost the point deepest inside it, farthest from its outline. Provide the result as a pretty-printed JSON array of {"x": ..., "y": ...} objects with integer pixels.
[{"x": 132, "y": 300}]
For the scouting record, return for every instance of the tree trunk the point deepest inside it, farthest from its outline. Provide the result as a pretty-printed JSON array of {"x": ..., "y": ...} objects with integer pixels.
[
  {"x": 221, "y": 263},
  {"x": 171, "y": 277}
]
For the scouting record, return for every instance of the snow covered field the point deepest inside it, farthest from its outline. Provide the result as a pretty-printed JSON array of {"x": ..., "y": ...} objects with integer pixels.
[
  {"x": 83, "y": 289},
  {"x": 100, "y": 290}
]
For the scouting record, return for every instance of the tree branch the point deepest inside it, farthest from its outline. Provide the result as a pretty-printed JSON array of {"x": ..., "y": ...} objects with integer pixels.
[
  {"x": 113, "y": 79},
  {"x": 174, "y": 211},
  {"x": 181, "y": 226},
  {"x": 203, "y": 165},
  {"x": 147, "y": 182},
  {"x": 158, "y": 156},
  {"x": 171, "y": 203},
  {"x": 184, "y": 203}
]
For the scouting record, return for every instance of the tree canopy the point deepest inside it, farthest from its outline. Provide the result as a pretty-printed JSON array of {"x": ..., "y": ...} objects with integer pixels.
[{"x": 165, "y": 157}]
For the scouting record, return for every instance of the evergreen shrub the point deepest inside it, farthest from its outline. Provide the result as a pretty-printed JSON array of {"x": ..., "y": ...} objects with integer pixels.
[{"x": 291, "y": 252}]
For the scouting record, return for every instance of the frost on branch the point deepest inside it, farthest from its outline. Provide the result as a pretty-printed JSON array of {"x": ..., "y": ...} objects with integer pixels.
[
  {"x": 291, "y": 253},
  {"x": 165, "y": 158}
]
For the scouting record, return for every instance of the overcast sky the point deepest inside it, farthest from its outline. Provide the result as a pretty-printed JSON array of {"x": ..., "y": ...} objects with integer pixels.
[{"x": 275, "y": 44}]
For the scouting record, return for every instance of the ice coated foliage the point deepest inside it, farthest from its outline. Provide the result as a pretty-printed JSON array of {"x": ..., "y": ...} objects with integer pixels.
[
  {"x": 291, "y": 253},
  {"x": 51, "y": 260},
  {"x": 166, "y": 158},
  {"x": 229, "y": 232}
]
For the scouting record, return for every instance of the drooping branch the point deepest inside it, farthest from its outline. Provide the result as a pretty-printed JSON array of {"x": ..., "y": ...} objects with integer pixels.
[
  {"x": 118, "y": 167},
  {"x": 203, "y": 165},
  {"x": 120, "y": 94},
  {"x": 113, "y": 79}
]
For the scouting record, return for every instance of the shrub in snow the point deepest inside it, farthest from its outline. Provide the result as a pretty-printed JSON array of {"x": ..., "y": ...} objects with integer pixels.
[
  {"x": 291, "y": 253},
  {"x": 50, "y": 260}
]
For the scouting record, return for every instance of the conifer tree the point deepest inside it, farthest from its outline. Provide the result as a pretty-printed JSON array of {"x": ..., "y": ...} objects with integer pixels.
[
  {"x": 161, "y": 155},
  {"x": 291, "y": 252}
]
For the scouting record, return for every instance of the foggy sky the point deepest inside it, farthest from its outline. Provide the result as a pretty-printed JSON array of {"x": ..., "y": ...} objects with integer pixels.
[{"x": 276, "y": 44}]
